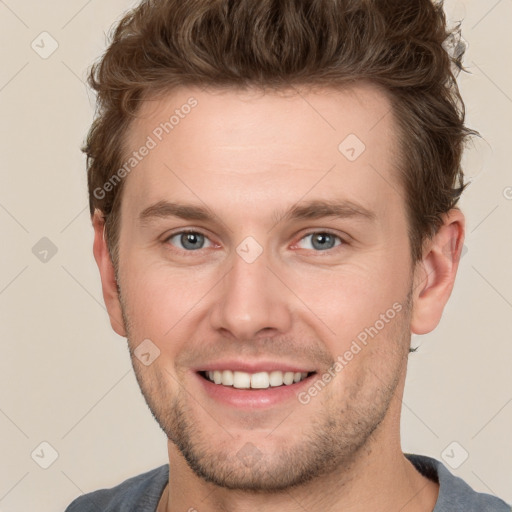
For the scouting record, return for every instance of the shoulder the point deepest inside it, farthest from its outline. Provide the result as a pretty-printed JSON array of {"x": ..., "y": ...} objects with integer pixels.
[
  {"x": 455, "y": 495},
  {"x": 141, "y": 493}
]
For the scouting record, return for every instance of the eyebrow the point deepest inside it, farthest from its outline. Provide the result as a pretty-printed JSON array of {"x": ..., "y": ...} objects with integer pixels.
[
  {"x": 318, "y": 209},
  {"x": 309, "y": 210}
]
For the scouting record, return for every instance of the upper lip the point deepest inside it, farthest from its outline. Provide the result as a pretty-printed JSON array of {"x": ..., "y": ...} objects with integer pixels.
[{"x": 254, "y": 366}]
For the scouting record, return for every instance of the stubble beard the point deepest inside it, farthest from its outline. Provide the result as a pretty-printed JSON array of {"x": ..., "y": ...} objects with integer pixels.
[{"x": 331, "y": 442}]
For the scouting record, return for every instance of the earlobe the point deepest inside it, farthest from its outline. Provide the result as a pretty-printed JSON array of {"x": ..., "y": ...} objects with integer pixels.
[
  {"x": 434, "y": 276},
  {"x": 107, "y": 274}
]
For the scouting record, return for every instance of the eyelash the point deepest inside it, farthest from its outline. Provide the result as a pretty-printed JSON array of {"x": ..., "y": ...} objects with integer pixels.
[{"x": 195, "y": 231}]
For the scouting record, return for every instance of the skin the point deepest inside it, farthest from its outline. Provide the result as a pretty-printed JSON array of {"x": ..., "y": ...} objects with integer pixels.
[{"x": 244, "y": 154}]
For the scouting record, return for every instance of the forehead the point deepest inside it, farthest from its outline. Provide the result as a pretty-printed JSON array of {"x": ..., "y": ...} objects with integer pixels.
[{"x": 293, "y": 140}]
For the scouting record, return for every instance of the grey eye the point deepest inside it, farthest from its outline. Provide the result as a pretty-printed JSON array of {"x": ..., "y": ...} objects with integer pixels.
[
  {"x": 188, "y": 240},
  {"x": 321, "y": 241}
]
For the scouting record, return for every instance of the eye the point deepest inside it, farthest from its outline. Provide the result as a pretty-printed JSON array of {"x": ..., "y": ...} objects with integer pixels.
[
  {"x": 189, "y": 240},
  {"x": 321, "y": 241}
]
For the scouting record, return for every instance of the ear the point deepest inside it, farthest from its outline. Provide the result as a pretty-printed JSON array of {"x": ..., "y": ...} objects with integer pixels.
[
  {"x": 107, "y": 273},
  {"x": 434, "y": 275}
]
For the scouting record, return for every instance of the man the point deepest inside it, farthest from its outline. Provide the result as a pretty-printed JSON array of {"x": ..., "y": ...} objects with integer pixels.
[{"x": 273, "y": 190}]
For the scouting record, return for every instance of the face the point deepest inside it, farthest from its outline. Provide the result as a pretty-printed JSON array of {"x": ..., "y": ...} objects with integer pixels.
[{"x": 255, "y": 249}]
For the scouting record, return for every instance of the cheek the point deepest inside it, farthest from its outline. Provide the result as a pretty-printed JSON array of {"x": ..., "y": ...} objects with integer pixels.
[
  {"x": 353, "y": 296},
  {"x": 339, "y": 302},
  {"x": 158, "y": 298}
]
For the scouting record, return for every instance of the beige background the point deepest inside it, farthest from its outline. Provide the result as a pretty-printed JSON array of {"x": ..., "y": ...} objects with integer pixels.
[{"x": 66, "y": 377}]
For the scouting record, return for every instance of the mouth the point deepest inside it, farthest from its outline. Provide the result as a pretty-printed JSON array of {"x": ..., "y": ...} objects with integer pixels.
[
  {"x": 254, "y": 381},
  {"x": 253, "y": 385}
]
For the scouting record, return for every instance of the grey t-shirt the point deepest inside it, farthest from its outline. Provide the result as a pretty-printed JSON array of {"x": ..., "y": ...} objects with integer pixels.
[{"x": 142, "y": 493}]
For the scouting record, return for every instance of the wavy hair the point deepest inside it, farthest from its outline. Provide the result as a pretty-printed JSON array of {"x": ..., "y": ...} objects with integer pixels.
[{"x": 401, "y": 47}]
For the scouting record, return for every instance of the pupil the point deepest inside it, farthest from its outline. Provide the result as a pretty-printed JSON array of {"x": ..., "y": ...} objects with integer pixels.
[
  {"x": 322, "y": 240},
  {"x": 190, "y": 240}
]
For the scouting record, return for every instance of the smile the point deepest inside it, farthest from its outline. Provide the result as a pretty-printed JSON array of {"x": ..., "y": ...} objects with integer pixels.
[{"x": 258, "y": 380}]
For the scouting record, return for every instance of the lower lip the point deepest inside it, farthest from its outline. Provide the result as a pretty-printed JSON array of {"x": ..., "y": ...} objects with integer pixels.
[{"x": 252, "y": 398}]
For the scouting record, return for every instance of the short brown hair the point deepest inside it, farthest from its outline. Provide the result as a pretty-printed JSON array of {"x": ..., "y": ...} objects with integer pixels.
[{"x": 275, "y": 44}]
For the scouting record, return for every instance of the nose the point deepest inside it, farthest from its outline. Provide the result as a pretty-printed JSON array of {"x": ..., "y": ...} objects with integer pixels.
[{"x": 251, "y": 301}]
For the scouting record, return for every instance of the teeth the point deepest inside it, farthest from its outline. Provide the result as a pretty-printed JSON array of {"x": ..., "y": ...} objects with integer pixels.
[
  {"x": 276, "y": 378},
  {"x": 288, "y": 378},
  {"x": 259, "y": 380},
  {"x": 227, "y": 378},
  {"x": 241, "y": 380}
]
